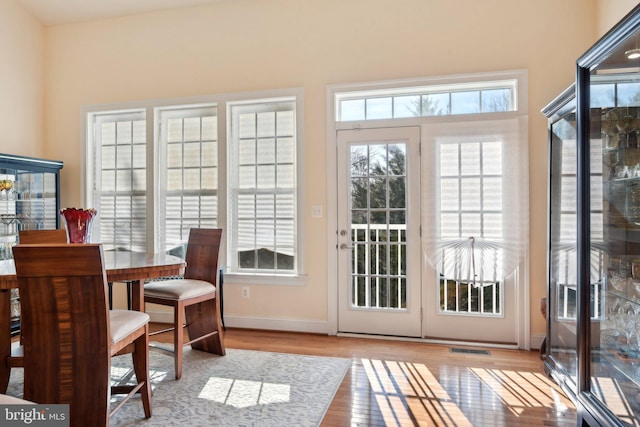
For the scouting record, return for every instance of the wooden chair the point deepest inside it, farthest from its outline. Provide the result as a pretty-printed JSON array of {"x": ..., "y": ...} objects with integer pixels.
[
  {"x": 194, "y": 298},
  {"x": 29, "y": 237},
  {"x": 32, "y": 237},
  {"x": 70, "y": 335}
]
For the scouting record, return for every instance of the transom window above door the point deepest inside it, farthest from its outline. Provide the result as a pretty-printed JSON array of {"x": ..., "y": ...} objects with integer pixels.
[{"x": 430, "y": 100}]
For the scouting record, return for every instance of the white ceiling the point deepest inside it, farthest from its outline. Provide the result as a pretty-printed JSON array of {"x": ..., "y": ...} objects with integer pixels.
[{"x": 55, "y": 12}]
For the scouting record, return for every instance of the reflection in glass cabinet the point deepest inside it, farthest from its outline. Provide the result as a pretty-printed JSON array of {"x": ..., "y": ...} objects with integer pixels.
[
  {"x": 607, "y": 271},
  {"x": 29, "y": 197},
  {"x": 615, "y": 233}
]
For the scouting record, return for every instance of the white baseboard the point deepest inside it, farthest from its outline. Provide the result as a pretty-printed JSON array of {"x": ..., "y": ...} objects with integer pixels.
[
  {"x": 287, "y": 325},
  {"x": 536, "y": 341},
  {"x": 276, "y": 324},
  {"x": 160, "y": 316}
]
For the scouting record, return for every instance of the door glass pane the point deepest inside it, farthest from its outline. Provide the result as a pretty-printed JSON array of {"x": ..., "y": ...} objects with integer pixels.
[
  {"x": 378, "y": 221},
  {"x": 471, "y": 222}
]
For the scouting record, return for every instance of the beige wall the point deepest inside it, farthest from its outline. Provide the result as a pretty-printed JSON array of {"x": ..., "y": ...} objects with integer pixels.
[
  {"x": 21, "y": 82},
  {"x": 609, "y": 12},
  {"x": 246, "y": 45}
]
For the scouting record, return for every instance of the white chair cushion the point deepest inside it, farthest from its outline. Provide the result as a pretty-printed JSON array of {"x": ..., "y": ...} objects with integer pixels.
[
  {"x": 10, "y": 400},
  {"x": 178, "y": 289},
  {"x": 123, "y": 322}
]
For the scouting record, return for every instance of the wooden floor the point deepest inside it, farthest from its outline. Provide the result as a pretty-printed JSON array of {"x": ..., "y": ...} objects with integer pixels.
[{"x": 393, "y": 383}]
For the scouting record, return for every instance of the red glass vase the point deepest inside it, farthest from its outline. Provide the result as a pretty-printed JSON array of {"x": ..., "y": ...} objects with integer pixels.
[{"x": 78, "y": 224}]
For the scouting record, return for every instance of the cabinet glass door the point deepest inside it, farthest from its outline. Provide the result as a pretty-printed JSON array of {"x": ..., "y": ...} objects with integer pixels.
[
  {"x": 611, "y": 390},
  {"x": 562, "y": 333},
  {"x": 615, "y": 233}
]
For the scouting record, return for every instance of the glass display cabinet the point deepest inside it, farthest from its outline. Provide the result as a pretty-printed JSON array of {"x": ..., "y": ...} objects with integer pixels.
[
  {"x": 593, "y": 314},
  {"x": 29, "y": 200},
  {"x": 29, "y": 197}
]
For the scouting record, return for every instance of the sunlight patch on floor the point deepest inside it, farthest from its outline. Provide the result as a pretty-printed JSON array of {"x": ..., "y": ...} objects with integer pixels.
[
  {"x": 407, "y": 393},
  {"x": 244, "y": 393},
  {"x": 519, "y": 390}
]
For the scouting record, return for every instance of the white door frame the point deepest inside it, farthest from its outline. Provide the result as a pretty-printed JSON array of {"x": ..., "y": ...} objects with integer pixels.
[{"x": 523, "y": 329}]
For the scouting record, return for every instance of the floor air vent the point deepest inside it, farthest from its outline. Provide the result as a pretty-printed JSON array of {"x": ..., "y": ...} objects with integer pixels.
[{"x": 469, "y": 351}]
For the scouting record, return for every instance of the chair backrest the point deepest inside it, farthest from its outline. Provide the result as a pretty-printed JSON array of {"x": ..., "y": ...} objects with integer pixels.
[
  {"x": 65, "y": 327},
  {"x": 29, "y": 237},
  {"x": 203, "y": 248}
]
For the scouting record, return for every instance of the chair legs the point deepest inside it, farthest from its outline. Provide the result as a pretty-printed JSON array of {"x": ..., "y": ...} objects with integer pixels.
[
  {"x": 202, "y": 321},
  {"x": 178, "y": 338},
  {"x": 204, "y": 327},
  {"x": 141, "y": 369},
  {"x": 139, "y": 350}
]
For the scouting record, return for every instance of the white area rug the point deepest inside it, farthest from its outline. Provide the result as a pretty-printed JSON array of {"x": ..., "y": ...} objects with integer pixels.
[{"x": 243, "y": 388}]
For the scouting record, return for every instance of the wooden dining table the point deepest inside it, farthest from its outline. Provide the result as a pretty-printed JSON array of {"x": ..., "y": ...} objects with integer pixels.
[{"x": 120, "y": 266}]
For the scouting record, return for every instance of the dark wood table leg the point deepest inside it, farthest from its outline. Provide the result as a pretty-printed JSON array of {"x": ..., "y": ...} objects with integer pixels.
[
  {"x": 5, "y": 338},
  {"x": 129, "y": 302},
  {"x": 110, "y": 285},
  {"x": 137, "y": 295},
  {"x": 220, "y": 295}
]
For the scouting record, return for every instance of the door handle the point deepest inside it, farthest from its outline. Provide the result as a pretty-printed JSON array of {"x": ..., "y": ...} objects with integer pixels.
[{"x": 344, "y": 246}]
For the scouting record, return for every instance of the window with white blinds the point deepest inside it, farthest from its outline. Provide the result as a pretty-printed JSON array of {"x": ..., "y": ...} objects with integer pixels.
[
  {"x": 188, "y": 174},
  {"x": 120, "y": 187},
  {"x": 157, "y": 171},
  {"x": 263, "y": 186}
]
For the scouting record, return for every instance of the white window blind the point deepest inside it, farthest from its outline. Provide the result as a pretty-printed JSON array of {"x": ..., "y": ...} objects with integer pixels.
[
  {"x": 476, "y": 199},
  {"x": 263, "y": 186},
  {"x": 120, "y": 179},
  {"x": 188, "y": 174}
]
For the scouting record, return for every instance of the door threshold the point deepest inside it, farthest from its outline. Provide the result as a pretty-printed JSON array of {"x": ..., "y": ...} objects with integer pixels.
[{"x": 430, "y": 340}]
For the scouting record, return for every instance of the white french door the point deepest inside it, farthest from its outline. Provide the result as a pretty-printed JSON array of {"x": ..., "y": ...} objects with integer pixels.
[
  {"x": 464, "y": 202},
  {"x": 379, "y": 285}
]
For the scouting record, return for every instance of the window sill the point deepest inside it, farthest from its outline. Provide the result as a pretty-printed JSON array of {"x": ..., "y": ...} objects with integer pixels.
[{"x": 264, "y": 279}]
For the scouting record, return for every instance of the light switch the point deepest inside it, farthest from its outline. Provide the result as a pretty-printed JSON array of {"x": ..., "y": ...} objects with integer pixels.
[{"x": 316, "y": 211}]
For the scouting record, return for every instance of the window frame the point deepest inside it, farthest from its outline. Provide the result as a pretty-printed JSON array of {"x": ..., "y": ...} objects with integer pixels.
[
  {"x": 92, "y": 158},
  {"x": 426, "y": 89},
  {"x": 236, "y": 190},
  {"x": 162, "y": 115},
  {"x": 151, "y": 108}
]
